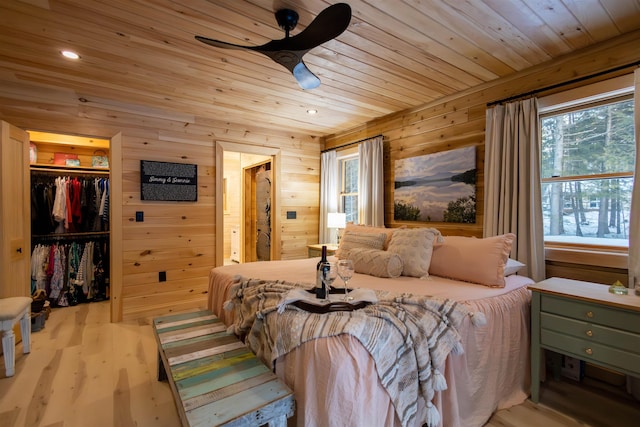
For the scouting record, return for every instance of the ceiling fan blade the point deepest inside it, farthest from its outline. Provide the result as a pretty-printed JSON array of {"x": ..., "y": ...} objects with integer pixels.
[
  {"x": 305, "y": 78},
  {"x": 329, "y": 24},
  {"x": 218, "y": 43},
  {"x": 288, "y": 52}
]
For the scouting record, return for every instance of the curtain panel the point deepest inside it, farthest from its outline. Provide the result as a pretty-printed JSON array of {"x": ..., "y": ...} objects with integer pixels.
[
  {"x": 512, "y": 192},
  {"x": 371, "y": 182},
  {"x": 634, "y": 226},
  {"x": 329, "y": 194}
]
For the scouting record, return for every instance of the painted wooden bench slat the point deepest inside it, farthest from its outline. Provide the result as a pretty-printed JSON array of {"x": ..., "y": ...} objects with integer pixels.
[
  {"x": 192, "y": 345},
  {"x": 195, "y": 367},
  {"x": 163, "y": 326},
  {"x": 228, "y": 408},
  {"x": 203, "y": 353},
  {"x": 191, "y": 390},
  {"x": 196, "y": 331},
  {"x": 214, "y": 377}
]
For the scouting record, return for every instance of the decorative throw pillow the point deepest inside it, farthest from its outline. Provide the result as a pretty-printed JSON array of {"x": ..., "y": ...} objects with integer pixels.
[
  {"x": 415, "y": 246},
  {"x": 472, "y": 260},
  {"x": 375, "y": 262},
  {"x": 512, "y": 267},
  {"x": 358, "y": 228},
  {"x": 352, "y": 239}
]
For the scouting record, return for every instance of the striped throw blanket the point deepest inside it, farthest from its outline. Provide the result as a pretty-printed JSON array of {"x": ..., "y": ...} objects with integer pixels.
[{"x": 408, "y": 336}]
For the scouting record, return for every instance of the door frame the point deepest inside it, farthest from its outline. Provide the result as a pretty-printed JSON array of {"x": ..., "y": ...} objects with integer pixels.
[
  {"x": 275, "y": 154},
  {"x": 249, "y": 217}
]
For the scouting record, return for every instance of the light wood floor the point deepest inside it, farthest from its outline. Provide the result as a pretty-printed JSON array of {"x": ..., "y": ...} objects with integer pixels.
[{"x": 85, "y": 371}]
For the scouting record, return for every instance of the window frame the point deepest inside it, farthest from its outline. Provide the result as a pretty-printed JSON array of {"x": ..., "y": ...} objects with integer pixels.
[
  {"x": 590, "y": 96},
  {"x": 342, "y": 156}
]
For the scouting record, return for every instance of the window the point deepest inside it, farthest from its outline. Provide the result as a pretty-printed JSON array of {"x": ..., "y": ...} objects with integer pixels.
[
  {"x": 587, "y": 161},
  {"x": 348, "y": 184}
]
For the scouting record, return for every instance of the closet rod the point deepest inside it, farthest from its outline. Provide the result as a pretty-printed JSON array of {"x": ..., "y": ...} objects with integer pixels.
[
  {"x": 559, "y": 85},
  {"x": 67, "y": 171},
  {"x": 68, "y": 236},
  {"x": 349, "y": 144}
]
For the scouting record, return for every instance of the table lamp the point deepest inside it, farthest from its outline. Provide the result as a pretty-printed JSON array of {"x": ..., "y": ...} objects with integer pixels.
[{"x": 337, "y": 220}]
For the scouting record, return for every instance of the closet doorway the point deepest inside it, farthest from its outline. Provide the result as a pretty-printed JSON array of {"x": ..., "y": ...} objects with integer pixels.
[
  {"x": 257, "y": 211},
  {"x": 82, "y": 232},
  {"x": 246, "y": 196}
]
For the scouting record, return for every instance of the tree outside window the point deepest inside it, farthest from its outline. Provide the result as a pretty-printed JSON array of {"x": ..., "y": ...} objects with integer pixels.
[
  {"x": 348, "y": 169},
  {"x": 587, "y": 161}
]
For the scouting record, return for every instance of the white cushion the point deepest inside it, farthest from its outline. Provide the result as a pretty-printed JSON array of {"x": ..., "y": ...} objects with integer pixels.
[
  {"x": 11, "y": 308},
  {"x": 353, "y": 239},
  {"x": 513, "y": 267},
  {"x": 415, "y": 246},
  {"x": 375, "y": 262}
]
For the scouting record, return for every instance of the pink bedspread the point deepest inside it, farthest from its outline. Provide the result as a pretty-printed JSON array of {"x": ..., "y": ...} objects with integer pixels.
[{"x": 335, "y": 381}]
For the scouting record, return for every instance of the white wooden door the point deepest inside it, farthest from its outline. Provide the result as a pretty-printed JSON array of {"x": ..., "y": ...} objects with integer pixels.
[{"x": 15, "y": 222}]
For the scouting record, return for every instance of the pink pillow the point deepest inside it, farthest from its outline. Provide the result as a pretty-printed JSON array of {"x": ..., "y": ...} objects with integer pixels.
[{"x": 472, "y": 260}]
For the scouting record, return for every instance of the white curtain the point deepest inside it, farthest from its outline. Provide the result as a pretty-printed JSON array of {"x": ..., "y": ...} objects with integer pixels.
[
  {"x": 371, "y": 182},
  {"x": 328, "y": 194},
  {"x": 512, "y": 202},
  {"x": 634, "y": 225},
  {"x": 633, "y": 384}
]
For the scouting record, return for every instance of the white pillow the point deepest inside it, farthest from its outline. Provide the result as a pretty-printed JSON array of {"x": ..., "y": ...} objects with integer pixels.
[
  {"x": 512, "y": 267},
  {"x": 415, "y": 246},
  {"x": 375, "y": 262},
  {"x": 354, "y": 239}
]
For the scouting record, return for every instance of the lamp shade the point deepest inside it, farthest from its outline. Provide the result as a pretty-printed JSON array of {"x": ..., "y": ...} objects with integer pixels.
[{"x": 337, "y": 220}]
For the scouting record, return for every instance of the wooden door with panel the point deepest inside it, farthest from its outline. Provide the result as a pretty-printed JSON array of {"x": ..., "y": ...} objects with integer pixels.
[{"x": 15, "y": 226}]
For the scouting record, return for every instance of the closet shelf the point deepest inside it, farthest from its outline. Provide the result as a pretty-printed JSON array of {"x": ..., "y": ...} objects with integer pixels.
[{"x": 68, "y": 169}]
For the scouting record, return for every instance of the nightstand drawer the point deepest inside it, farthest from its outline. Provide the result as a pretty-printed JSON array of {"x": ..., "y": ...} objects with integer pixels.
[
  {"x": 591, "y": 351},
  {"x": 592, "y": 313},
  {"x": 591, "y": 333}
]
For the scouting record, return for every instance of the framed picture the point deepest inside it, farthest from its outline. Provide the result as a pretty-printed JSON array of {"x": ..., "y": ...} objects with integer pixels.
[
  {"x": 438, "y": 187},
  {"x": 165, "y": 181}
]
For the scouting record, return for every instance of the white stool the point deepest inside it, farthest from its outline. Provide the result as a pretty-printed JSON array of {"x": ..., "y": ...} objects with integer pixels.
[{"x": 11, "y": 310}]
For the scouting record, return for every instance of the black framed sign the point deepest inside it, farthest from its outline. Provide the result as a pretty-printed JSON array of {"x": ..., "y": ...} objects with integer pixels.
[{"x": 164, "y": 181}]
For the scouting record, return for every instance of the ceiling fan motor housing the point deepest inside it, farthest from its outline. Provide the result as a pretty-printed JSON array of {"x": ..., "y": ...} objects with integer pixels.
[{"x": 287, "y": 19}]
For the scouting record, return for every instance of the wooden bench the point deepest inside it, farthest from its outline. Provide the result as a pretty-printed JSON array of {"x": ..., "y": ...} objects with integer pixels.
[{"x": 215, "y": 379}]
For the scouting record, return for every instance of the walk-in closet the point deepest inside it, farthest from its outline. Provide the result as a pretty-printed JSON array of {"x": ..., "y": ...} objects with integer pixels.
[{"x": 70, "y": 230}]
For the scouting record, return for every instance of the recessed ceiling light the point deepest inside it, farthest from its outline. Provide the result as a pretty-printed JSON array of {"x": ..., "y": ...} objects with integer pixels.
[
  {"x": 70, "y": 54},
  {"x": 312, "y": 111}
]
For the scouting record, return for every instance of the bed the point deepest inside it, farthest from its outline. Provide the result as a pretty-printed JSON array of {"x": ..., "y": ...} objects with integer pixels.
[{"x": 335, "y": 380}]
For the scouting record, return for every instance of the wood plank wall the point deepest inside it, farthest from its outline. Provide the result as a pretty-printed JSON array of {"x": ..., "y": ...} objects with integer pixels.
[
  {"x": 175, "y": 237},
  {"x": 459, "y": 121}
]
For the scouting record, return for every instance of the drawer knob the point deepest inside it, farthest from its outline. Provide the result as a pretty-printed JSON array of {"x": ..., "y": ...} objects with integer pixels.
[
  {"x": 589, "y": 333},
  {"x": 589, "y": 313},
  {"x": 589, "y": 351}
]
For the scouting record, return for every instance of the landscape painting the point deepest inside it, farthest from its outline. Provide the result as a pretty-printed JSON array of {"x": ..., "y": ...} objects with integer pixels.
[{"x": 438, "y": 187}]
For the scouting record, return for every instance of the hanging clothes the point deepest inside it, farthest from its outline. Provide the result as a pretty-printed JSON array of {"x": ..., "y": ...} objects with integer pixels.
[
  {"x": 71, "y": 273},
  {"x": 61, "y": 204},
  {"x": 69, "y": 264}
]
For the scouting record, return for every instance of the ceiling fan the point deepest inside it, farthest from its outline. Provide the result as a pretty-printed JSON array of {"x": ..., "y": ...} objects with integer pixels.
[{"x": 288, "y": 52}]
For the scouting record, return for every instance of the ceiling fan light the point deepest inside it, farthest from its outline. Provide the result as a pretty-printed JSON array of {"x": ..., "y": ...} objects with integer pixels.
[
  {"x": 70, "y": 54},
  {"x": 305, "y": 78}
]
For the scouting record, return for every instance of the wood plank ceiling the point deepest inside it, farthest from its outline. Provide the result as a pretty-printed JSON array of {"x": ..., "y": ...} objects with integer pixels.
[{"x": 139, "y": 55}]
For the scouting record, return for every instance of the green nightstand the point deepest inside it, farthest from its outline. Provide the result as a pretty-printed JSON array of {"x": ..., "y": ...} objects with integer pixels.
[{"x": 585, "y": 321}]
